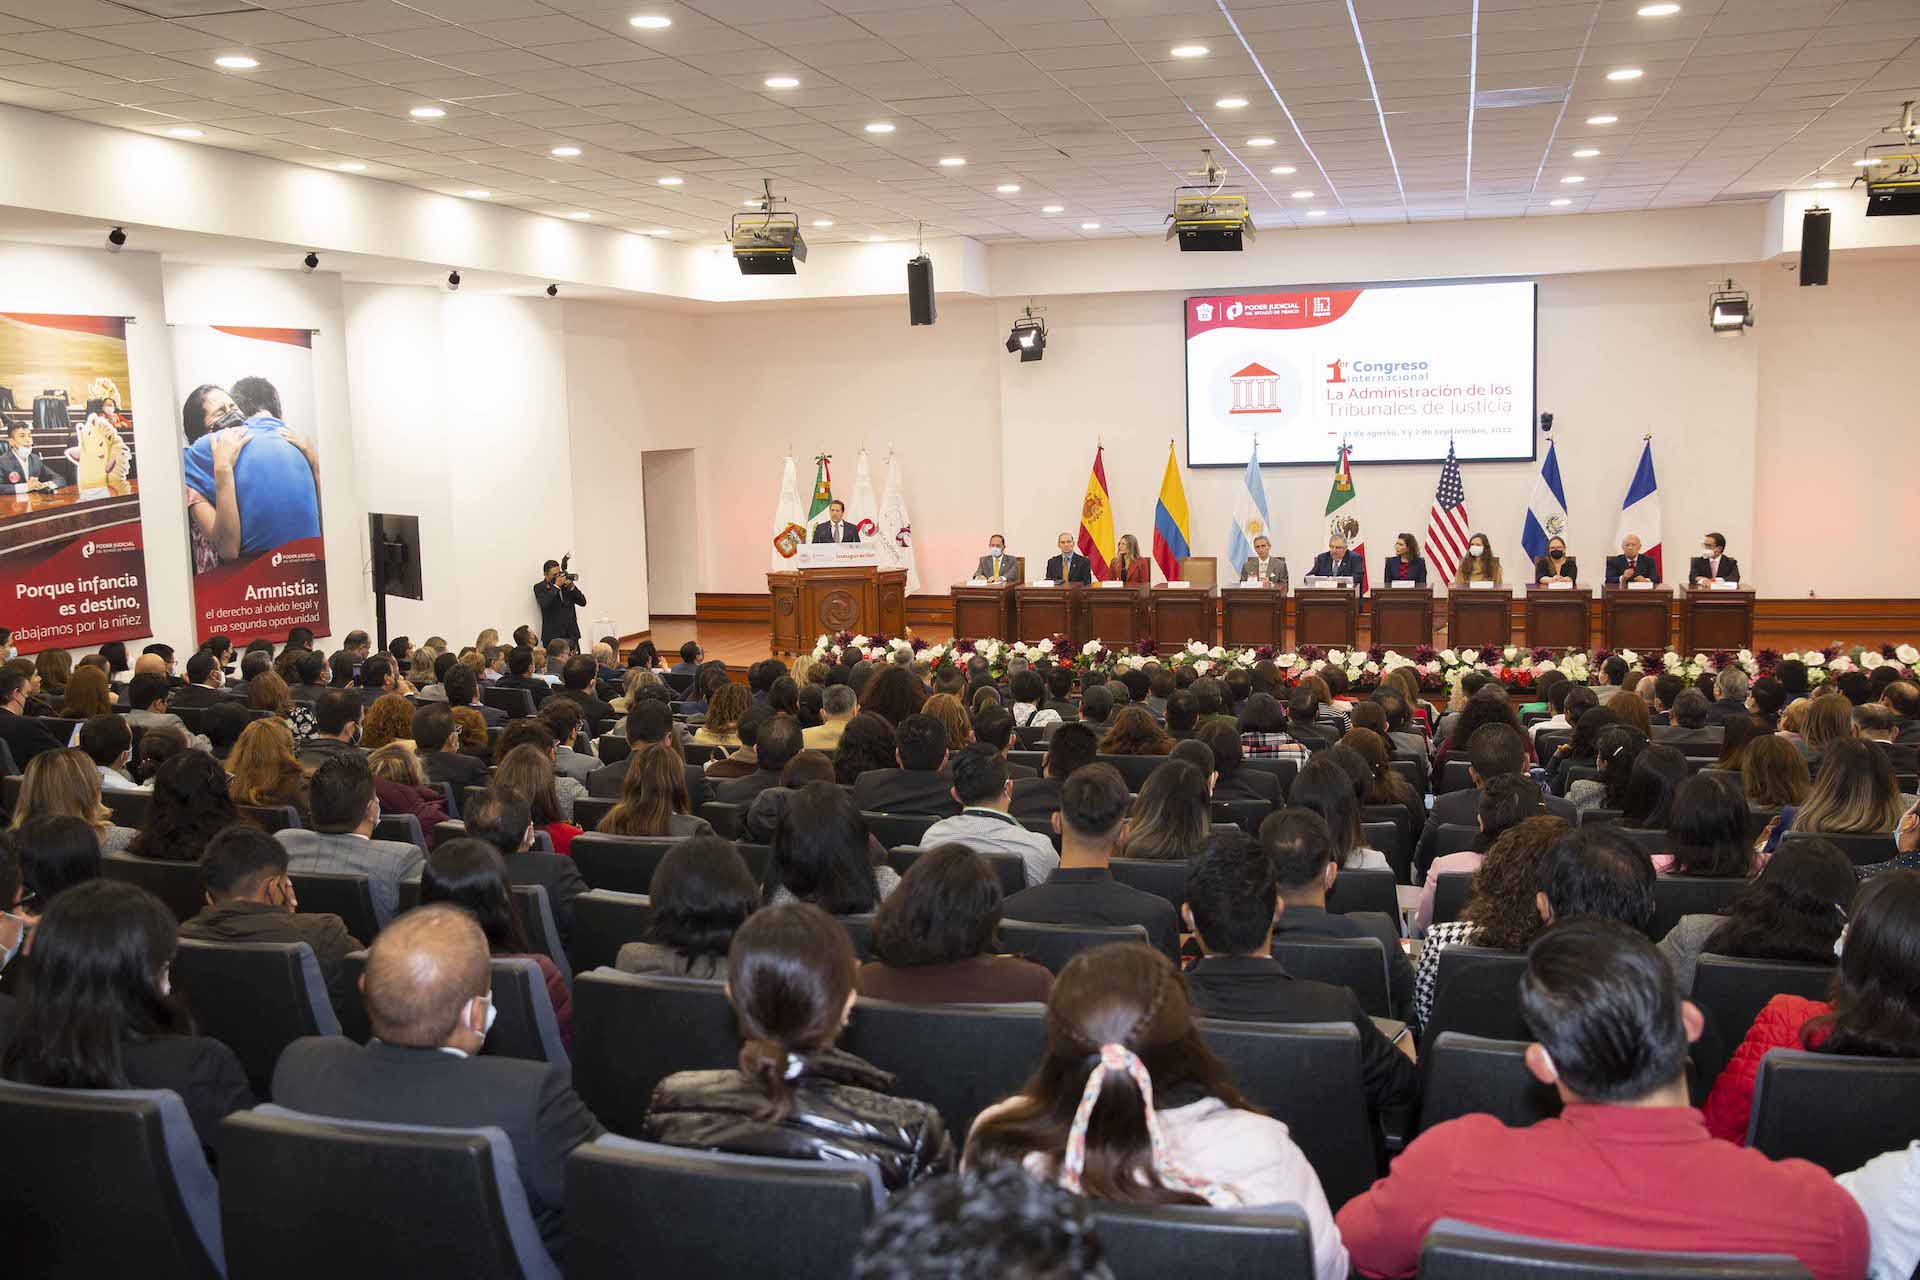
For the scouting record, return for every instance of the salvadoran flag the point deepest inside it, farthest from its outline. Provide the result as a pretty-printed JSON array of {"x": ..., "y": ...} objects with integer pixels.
[
  {"x": 1640, "y": 512},
  {"x": 1250, "y": 519},
  {"x": 1546, "y": 509}
]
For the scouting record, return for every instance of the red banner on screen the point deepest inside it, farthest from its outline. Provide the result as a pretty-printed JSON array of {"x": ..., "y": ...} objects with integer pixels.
[
  {"x": 1305, "y": 310},
  {"x": 266, "y": 596},
  {"x": 79, "y": 591}
]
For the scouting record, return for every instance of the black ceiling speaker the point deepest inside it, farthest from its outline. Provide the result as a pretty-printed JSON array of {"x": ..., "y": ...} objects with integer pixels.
[{"x": 1816, "y": 230}]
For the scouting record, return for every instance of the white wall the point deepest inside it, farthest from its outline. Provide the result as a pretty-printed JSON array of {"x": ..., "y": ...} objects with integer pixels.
[{"x": 673, "y": 527}]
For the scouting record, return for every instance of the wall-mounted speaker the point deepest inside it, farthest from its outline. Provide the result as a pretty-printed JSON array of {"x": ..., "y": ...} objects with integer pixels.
[
  {"x": 1816, "y": 229},
  {"x": 920, "y": 289}
]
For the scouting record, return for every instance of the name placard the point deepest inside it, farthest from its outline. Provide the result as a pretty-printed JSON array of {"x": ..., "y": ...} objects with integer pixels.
[
  {"x": 1482, "y": 585},
  {"x": 1720, "y": 584},
  {"x": 1639, "y": 584},
  {"x": 1560, "y": 584}
]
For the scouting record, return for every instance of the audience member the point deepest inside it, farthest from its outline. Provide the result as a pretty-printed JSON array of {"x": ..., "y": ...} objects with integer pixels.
[
  {"x": 109, "y": 744},
  {"x": 63, "y": 783},
  {"x": 1502, "y": 911},
  {"x": 838, "y": 706},
  {"x": 1170, "y": 818},
  {"x": 526, "y": 770},
  {"x": 776, "y": 741},
  {"x": 190, "y": 805},
  {"x": 402, "y": 787},
  {"x": 503, "y": 820},
  {"x": 266, "y": 773},
  {"x": 1706, "y": 830},
  {"x": 436, "y": 740},
  {"x": 1091, "y": 820},
  {"x": 984, "y": 823},
  {"x": 1794, "y": 910},
  {"x": 701, "y": 893},
  {"x": 1876, "y": 723},
  {"x": 471, "y": 875},
  {"x": 26, "y": 738},
  {"x": 935, "y": 938},
  {"x": 867, "y": 743},
  {"x": 1736, "y": 732},
  {"x": 1506, "y": 800},
  {"x": 1325, "y": 787},
  {"x": 336, "y": 728},
  {"x": 921, "y": 783},
  {"x": 821, "y": 854},
  {"x": 1772, "y": 774},
  {"x": 1262, "y": 727},
  {"x": 654, "y": 801},
  {"x": 1133, "y": 731},
  {"x": 1070, "y": 747},
  {"x": 345, "y": 809},
  {"x": 982, "y": 1225},
  {"x": 1656, "y": 774},
  {"x": 1855, "y": 792}
]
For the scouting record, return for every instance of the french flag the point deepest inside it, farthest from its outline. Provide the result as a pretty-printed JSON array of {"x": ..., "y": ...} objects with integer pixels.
[{"x": 1640, "y": 512}]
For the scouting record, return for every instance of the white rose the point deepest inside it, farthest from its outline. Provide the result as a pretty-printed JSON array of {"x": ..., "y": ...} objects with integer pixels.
[
  {"x": 1871, "y": 659},
  {"x": 1216, "y": 653},
  {"x": 1633, "y": 659},
  {"x": 1336, "y": 657},
  {"x": 1197, "y": 649},
  {"x": 1286, "y": 660},
  {"x": 1449, "y": 657},
  {"x": 1907, "y": 654},
  {"x": 1814, "y": 658},
  {"x": 1509, "y": 653},
  {"x": 1090, "y": 648},
  {"x": 1669, "y": 659},
  {"x": 1372, "y": 668},
  {"x": 1203, "y": 666},
  {"x": 1789, "y": 657}
]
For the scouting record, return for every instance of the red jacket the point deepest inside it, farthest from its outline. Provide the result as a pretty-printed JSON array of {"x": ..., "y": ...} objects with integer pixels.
[
  {"x": 424, "y": 803},
  {"x": 1138, "y": 573},
  {"x": 1776, "y": 1027}
]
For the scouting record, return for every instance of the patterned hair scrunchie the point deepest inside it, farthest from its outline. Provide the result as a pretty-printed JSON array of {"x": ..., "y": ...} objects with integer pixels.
[{"x": 1117, "y": 1057}]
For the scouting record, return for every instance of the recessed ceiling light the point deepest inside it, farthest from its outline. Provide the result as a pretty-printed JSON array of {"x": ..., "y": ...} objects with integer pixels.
[
  {"x": 351, "y": 166},
  {"x": 880, "y": 126},
  {"x": 1007, "y": 188},
  {"x": 427, "y": 113},
  {"x": 1303, "y": 195},
  {"x": 1562, "y": 200},
  {"x": 1283, "y": 169},
  {"x": 579, "y": 215},
  {"x": 1862, "y": 164},
  {"x": 781, "y": 82},
  {"x": 1316, "y": 213},
  {"x": 1229, "y": 104},
  {"x": 1625, "y": 73},
  {"x": 1824, "y": 185},
  {"x": 749, "y": 204},
  {"x": 565, "y": 153},
  {"x": 670, "y": 182},
  {"x": 185, "y": 133},
  {"x": 953, "y": 162},
  {"x": 1586, "y": 152},
  {"x": 660, "y": 231},
  {"x": 650, "y": 22},
  {"x": 1259, "y": 142},
  {"x": 236, "y": 62},
  {"x": 1089, "y": 226},
  {"x": 1188, "y": 51},
  {"x": 1603, "y": 119},
  {"x": 1053, "y": 208},
  {"x": 1573, "y": 177},
  {"x": 823, "y": 222},
  {"x": 1657, "y": 10},
  {"x": 876, "y": 239},
  {"x": 478, "y": 194}
]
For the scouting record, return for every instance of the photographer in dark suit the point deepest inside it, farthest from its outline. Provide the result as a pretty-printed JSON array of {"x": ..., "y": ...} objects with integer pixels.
[
  {"x": 557, "y": 593},
  {"x": 835, "y": 527},
  {"x": 1630, "y": 566},
  {"x": 1714, "y": 565},
  {"x": 1069, "y": 565}
]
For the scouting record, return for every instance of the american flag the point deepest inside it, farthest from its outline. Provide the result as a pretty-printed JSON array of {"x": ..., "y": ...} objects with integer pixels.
[{"x": 1447, "y": 521}]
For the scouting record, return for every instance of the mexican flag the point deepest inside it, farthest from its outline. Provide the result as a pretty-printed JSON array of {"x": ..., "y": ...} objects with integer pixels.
[
  {"x": 822, "y": 486},
  {"x": 1343, "y": 515}
]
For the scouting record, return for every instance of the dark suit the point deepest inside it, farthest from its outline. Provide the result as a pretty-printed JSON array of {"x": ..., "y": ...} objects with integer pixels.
[
  {"x": 1642, "y": 565},
  {"x": 743, "y": 791},
  {"x": 494, "y": 716},
  {"x": 1699, "y": 568},
  {"x": 1722, "y": 710},
  {"x": 557, "y": 616},
  {"x": 1462, "y": 809},
  {"x": 905, "y": 791},
  {"x": 536, "y": 688},
  {"x": 450, "y": 766},
  {"x": 196, "y": 695},
  {"x": 1091, "y": 896},
  {"x": 1250, "y": 784},
  {"x": 1258, "y": 989},
  {"x": 1569, "y": 568},
  {"x": 1299, "y": 923},
  {"x": 533, "y": 1102},
  {"x": 32, "y": 468},
  {"x": 1397, "y": 570},
  {"x": 25, "y": 738},
  {"x": 591, "y": 707},
  {"x": 308, "y": 693},
  {"x": 1901, "y": 756},
  {"x": 823, "y": 532},
  {"x": 1349, "y": 566},
  {"x": 1697, "y": 742},
  {"x": 1077, "y": 569},
  {"x": 1035, "y": 800},
  {"x": 556, "y": 874}
]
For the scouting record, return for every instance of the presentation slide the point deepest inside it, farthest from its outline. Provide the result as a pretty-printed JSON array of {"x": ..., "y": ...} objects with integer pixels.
[{"x": 1395, "y": 372}]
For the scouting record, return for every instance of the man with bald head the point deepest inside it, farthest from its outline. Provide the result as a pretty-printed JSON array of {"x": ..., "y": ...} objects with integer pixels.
[
  {"x": 428, "y": 994},
  {"x": 1631, "y": 566}
]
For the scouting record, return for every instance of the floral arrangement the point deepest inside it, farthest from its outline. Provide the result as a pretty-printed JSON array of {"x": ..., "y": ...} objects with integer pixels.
[{"x": 1438, "y": 669}]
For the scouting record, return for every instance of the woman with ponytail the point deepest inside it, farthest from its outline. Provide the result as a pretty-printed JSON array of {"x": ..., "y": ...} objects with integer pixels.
[
  {"x": 1130, "y": 1105},
  {"x": 790, "y": 976}
]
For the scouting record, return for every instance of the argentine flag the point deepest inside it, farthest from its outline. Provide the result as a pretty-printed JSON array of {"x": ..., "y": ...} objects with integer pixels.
[
  {"x": 1546, "y": 509},
  {"x": 1640, "y": 511},
  {"x": 1249, "y": 515}
]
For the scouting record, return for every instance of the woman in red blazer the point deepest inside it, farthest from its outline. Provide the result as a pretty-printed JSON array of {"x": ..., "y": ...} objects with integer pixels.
[{"x": 1130, "y": 566}]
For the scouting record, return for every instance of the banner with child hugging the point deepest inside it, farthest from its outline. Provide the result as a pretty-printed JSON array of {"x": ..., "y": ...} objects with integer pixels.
[
  {"x": 252, "y": 475},
  {"x": 73, "y": 566}
]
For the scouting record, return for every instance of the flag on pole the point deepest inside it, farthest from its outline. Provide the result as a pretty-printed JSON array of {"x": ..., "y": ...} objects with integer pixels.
[
  {"x": 895, "y": 537},
  {"x": 788, "y": 532},
  {"x": 1096, "y": 518},
  {"x": 1640, "y": 510},
  {"x": 1546, "y": 509},
  {"x": 1170, "y": 540},
  {"x": 822, "y": 485},
  {"x": 1447, "y": 530},
  {"x": 861, "y": 508},
  {"x": 1343, "y": 517},
  {"x": 1249, "y": 514}
]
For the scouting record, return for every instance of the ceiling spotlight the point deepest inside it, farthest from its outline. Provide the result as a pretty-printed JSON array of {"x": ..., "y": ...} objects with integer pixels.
[
  {"x": 1259, "y": 142},
  {"x": 1053, "y": 208},
  {"x": 453, "y": 282},
  {"x": 578, "y": 215},
  {"x": 426, "y": 113},
  {"x": 952, "y": 162},
  {"x": 1625, "y": 73},
  {"x": 1188, "y": 51},
  {"x": 565, "y": 153},
  {"x": 185, "y": 133},
  {"x": 1028, "y": 337},
  {"x": 1089, "y": 226},
  {"x": 1283, "y": 169},
  {"x": 823, "y": 222},
  {"x": 310, "y": 262},
  {"x": 1303, "y": 195},
  {"x": 1561, "y": 201},
  {"x": 650, "y": 22},
  {"x": 1657, "y": 10},
  {"x": 1572, "y": 177},
  {"x": 1729, "y": 310},
  {"x": 670, "y": 182},
  {"x": 1585, "y": 153},
  {"x": 1867, "y": 164},
  {"x": 553, "y": 291},
  {"x": 477, "y": 194},
  {"x": 116, "y": 239},
  {"x": 1229, "y": 104},
  {"x": 767, "y": 243},
  {"x": 236, "y": 62},
  {"x": 781, "y": 82},
  {"x": 880, "y": 126},
  {"x": 351, "y": 166},
  {"x": 1316, "y": 213},
  {"x": 1603, "y": 119}
]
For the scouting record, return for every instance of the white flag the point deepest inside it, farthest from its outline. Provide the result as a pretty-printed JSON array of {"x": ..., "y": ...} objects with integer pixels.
[
  {"x": 861, "y": 508},
  {"x": 895, "y": 535},
  {"x": 789, "y": 529}
]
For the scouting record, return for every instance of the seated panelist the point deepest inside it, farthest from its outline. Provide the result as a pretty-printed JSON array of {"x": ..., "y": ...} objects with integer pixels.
[
  {"x": 1556, "y": 565},
  {"x": 835, "y": 527},
  {"x": 1479, "y": 564},
  {"x": 1713, "y": 564},
  {"x": 1069, "y": 565},
  {"x": 1263, "y": 566},
  {"x": 996, "y": 565},
  {"x": 1336, "y": 561},
  {"x": 1129, "y": 566},
  {"x": 1630, "y": 566},
  {"x": 1406, "y": 564}
]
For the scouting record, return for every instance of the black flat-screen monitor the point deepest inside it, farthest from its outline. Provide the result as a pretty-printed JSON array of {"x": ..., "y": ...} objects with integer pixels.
[{"x": 394, "y": 542}]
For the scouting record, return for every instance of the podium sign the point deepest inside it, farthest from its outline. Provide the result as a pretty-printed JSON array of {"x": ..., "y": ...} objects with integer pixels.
[{"x": 835, "y": 555}]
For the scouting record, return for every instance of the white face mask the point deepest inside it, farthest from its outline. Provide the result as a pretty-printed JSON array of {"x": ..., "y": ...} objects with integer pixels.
[
  {"x": 1477, "y": 549},
  {"x": 995, "y": 551}
]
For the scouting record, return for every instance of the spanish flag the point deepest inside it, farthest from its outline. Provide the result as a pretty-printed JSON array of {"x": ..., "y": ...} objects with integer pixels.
[
  {"x": 1170, "y": 545},
  {"x": 1096, "y": 519}
]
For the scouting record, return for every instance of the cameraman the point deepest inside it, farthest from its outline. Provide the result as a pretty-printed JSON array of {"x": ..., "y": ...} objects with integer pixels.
[{"x": 557, "y": 594}]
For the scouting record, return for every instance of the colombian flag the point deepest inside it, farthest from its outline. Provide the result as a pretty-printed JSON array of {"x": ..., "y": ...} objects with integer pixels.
[
  {"x": 1170, "y": 545},
  {"x": 1096, "y": 519}
]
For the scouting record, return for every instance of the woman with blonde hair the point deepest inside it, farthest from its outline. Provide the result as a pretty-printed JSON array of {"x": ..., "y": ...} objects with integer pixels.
[
  {"x": 87, "y": 695},
  {"x": 268, "y": 692},
  {"x": 265, "y": 770},
  {"x": 487, "y": 639},
  {"x": 403, "y": 787},
  {"x": 1407, "y": 681},
  {"x": 1632, "y": 711},
  {"x": 389, "y": 719},
  {"x": 1479, "y": 564},
  {"x": 527, "y": 772},
  {"x": 725, "y": 705},
  {"x": 1855, "y": 792},
  {"x": 653, "y": 798},
  {"x": 636, "y": 679},
  {"x": 64, "y": 783},
  {"x": 952, "y": 714},
  {"x": 1129, "y": 566},
  {"x": 1829, "y": 719}
]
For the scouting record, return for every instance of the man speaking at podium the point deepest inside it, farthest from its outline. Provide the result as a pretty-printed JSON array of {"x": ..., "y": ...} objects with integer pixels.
[{"x": 835, "y": 527}]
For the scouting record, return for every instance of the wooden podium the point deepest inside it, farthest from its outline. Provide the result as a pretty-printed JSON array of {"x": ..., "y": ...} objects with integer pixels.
[
  {"x": 1637, "y": 618},
  {"x": 1402, "y": 617},
  {"x": 1325, "y": 616},
  {"x": 1181, "y": 614},
  {"x": 1715, "y": 619},
  {"x": 1560, "y": 617},
  {"x": 810, "y": 602},
  {"x": 1044, "y": 612},
  {"x": 983, "y": 611},
  {"x": 1479, "y": 618},
  {"x": 1253, "y": 616},
  {"x": 1114, "y": 615}
]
